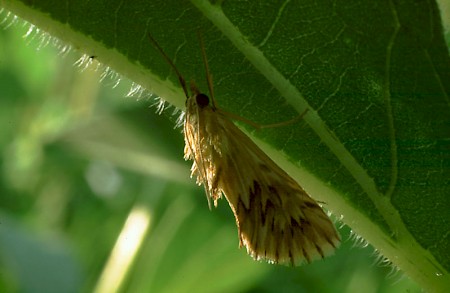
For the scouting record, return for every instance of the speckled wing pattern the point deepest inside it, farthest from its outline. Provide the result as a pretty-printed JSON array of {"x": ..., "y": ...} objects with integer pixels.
[{"x": 276, "y": 218}]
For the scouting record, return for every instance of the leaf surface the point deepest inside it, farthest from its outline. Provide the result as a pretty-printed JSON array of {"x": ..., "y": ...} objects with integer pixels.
[{"x": 375, "y": 143}]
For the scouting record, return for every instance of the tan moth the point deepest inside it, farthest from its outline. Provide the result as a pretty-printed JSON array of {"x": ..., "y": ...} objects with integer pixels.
[{"x": 277, "y": 220}]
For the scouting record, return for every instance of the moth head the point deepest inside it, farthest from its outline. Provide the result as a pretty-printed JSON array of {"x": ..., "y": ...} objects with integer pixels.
[
  {"x": 202, "y": 100},
  {"x": 198, "y": 99}
]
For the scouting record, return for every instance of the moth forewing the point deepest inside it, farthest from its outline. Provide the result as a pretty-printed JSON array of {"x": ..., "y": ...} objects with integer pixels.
[{"x": 276, "y": 218}]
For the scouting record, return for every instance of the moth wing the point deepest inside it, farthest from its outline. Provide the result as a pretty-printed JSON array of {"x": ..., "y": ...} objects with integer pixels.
[{"x": 277, "y": 220}]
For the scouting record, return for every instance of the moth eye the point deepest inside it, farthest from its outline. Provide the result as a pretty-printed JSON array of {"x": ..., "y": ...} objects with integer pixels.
[{"x": 202, "y": 100}]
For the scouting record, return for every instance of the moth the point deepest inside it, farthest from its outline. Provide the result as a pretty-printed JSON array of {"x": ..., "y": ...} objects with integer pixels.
[{"x": 277, "y": 220}]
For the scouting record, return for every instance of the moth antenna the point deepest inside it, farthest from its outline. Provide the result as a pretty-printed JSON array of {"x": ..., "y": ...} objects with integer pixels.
[
  {"x": 208, "y": 74},
  {"x": 172, "y": 65},
  {"x": 195, "y": 91}
]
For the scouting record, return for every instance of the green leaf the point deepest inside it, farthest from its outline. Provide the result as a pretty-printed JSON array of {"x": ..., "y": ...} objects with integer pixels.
[{"x": 375, "y": 143}]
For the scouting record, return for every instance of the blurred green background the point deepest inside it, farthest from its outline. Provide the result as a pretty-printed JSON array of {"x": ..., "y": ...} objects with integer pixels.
[{"x": 95, "y": 195}]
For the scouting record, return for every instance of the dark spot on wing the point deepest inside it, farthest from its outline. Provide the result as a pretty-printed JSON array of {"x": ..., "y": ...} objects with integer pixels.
[
  {"x": 292, "y": 258},
  {"x": 269, "y": 206},
  {"x": 242, "y": 204},
  {"x": 254, "y": 194},
  {"x": 263, "y": 219},
  {"x": 274, "y": 191},
  {"x": 330, "y": 241},
  {"x": 295, "y": 226},
  {"x": 256, "y": 189},
  {"x": 319, "y": 250},
  {"x": 294, "y": 223},
  {"x": 306, "y": 255}
]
